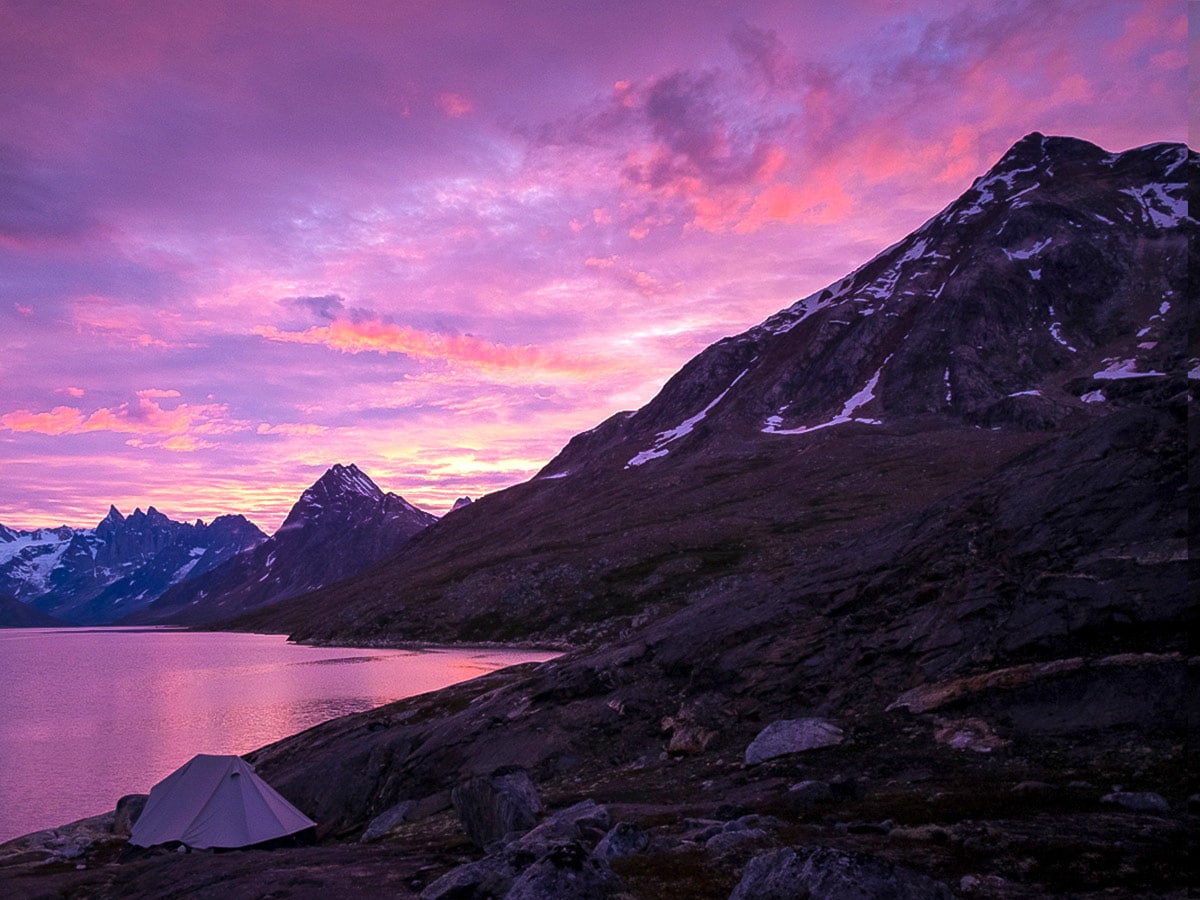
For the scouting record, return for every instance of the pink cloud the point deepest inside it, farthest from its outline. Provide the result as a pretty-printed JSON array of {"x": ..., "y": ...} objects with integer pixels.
[
  {"x": 375, "y": 336},
  {"x": 454, "y": 105}
]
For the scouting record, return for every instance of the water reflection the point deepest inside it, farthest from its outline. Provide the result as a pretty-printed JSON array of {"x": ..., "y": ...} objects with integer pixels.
[{"x": 91, "y": 714}]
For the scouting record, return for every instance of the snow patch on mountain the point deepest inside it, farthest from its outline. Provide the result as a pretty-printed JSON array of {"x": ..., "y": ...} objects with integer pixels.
[
  {"x": 1031, "y": 251},
  {"x": 855, "y": 403},
  {"x": 683, "y": 429},
  {"x": 1158, "y": 207},
  {"x": 1118, "y": 369}
]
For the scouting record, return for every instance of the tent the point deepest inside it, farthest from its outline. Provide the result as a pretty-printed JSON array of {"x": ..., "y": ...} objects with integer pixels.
[{"x": 215, "y": 801}]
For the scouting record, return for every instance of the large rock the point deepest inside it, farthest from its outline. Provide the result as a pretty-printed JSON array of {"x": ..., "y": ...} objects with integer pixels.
[
  {"x": 822, "y": 873},
  {"x": 792, "y": 736},
  {"x": 491, "y": 876},
  {"x": 387, "y": 820},
  {"x": 624, "y": 839},
  {"x": 1137, "y": 801},
  {"x": 494, "y": 806},
  {"x": 129, "y": 808},
  {"x": 585, "y": 821}
]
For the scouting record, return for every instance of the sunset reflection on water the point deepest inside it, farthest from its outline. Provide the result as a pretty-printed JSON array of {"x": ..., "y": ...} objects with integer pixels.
[{"x": 92, "y": 714}]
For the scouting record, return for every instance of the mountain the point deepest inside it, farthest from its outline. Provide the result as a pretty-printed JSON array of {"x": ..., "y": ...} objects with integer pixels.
[
  {"x": 15, "y": 614},
  {"x": 340, "y": 526},
  {"x": 93, "y": 576},
  {"x": 1049, "y": 296}
]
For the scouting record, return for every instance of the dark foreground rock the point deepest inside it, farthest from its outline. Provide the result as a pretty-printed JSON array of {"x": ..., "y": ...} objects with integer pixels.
[
  {"x": 819, "y": 873},
  {"x": 492, "y": 807}
]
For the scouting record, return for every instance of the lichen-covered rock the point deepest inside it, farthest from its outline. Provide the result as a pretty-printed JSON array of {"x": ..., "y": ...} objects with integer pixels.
[
  {"x": 792, "y": 736},
  {"x": 568, "y": 872},
  {"x": 822, "y": 873}
]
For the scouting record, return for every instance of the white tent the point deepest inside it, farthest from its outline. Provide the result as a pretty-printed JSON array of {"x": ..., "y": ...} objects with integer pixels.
[{"x": 215, "y": 801}]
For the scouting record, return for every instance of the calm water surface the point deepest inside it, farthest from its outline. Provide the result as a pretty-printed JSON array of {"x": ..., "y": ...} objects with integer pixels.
[{"x": 87, "y": 714}]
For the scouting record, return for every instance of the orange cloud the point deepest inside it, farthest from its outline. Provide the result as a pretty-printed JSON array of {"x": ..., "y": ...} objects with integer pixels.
[
  {"x": 171, "y": 429},
  {"x": 374, "y": 336},
  {"x": 454, "y": 105},
  {"x": 152, "y": 393},
  {"x": 60, "y": 420}
]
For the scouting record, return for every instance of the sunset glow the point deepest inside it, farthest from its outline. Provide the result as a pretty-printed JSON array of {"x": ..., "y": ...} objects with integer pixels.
[{"x": 242, "y": 242}]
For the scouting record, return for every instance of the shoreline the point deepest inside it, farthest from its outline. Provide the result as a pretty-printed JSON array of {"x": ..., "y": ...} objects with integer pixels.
[{"x": 93, "y": 815}]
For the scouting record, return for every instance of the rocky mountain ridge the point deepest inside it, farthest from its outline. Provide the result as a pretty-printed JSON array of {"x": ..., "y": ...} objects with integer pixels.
[
  {"x": 338, "y": 527},
  {"x": 1061, "y": 271},
  {"x": 94, "y": 576}
]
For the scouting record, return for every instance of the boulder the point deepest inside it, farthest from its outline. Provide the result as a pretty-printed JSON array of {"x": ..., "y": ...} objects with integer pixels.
[
  {"x": 585, "y": 821},
  {"x": 623, "y": 839},
  {"x": 804, "y": 793},
  {"x": 387, "y": 820},
  {"x": 792, "y": 736},
  {"x": 129, "y": 808},
  {"x": 567, "y": 872},
  {"x": 968, "y": 734},
  {"x": 690, "y": 739},
  {"x": 488, "y": 877},
  {"x": 1137, "y": 801},
  {"x": 727, "y": 843},
  {"x": 494, "y": 806},
  {"x": 822, "y": 873}
]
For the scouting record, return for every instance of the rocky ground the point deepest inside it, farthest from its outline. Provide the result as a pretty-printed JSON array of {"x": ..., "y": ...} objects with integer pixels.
[{"x": 988, "y": 697}]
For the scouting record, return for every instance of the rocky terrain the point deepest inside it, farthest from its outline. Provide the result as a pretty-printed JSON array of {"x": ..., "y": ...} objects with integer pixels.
[{"x": 863, "y": 604}]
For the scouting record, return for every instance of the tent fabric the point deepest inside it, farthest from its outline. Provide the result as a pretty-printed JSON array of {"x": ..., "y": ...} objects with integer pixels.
[{"x": 215, "y": 801}]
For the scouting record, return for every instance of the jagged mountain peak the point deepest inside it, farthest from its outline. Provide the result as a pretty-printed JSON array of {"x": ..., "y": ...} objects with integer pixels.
[
  {"x": 346, "y": 494},
  {"x": 348, "y": 479}
]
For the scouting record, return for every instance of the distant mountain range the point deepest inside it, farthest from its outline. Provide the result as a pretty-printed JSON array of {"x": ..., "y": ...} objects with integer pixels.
[{"x": 147, "y": 567}]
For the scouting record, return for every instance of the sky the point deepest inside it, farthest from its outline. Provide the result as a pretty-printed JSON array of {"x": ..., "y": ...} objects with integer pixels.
[{"x": 241, "y": 242}]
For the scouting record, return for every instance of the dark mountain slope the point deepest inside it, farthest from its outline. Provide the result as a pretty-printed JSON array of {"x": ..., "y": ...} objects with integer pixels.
[
  {"x": 15, "y": 614},
  {"x": 1047, "y": 297},
  {"x": 338, "y": 527}
]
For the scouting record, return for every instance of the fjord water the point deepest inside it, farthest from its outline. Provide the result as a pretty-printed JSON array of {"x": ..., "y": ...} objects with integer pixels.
[{"x": 87, "y": 715}]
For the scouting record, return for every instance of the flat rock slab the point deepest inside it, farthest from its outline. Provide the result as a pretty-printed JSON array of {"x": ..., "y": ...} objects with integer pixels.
[
  {"x": 822, "y": 873},
  {"x": 792, "y": 736}
]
